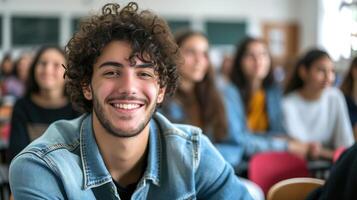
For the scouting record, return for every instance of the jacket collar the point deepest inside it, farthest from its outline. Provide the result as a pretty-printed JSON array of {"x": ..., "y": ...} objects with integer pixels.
[{"x": 94, "y": 170}]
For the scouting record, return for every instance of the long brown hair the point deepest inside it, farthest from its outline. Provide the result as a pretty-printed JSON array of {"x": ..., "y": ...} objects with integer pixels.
[
  {"x": 211, "y": 107},
  {"x": 347, "y": 84},
  {"x": 237, "y": 76}
]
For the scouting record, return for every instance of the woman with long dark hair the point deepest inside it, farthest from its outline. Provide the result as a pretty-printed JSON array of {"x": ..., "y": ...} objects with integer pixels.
[
  {"x": 199, "y": 102},
  {"x": 258, "y": 101},
  {"x": 45, "y": 100},
  {"x": 314, "y": 111}
]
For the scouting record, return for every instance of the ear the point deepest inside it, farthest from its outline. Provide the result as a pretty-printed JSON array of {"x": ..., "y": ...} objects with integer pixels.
[
  {"x": 87, "y": 92},
  {"x": 302, "y": 72},
  {"x": 161, "y": 95}
]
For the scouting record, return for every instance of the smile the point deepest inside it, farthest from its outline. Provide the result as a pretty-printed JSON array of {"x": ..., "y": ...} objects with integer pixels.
[{"x": 126, "y": 106}]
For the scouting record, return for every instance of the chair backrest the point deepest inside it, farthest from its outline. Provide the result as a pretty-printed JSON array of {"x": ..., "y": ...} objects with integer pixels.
[
  {"x": 268, "y": 168},
  {"x": 337, "y": 153},
  {"x": 294, "y": 188}
]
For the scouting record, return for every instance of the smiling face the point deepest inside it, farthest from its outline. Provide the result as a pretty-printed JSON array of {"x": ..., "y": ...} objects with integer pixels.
[
  {"x": 195, "y": 53},
  {"x": 124, "y": 96},
  {"x": 49, "y": 71}
]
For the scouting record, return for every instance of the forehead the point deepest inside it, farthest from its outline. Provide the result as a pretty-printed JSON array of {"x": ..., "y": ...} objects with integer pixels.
[
  {"x": 323, "y": 62},
  {"x": 256, "y": 46},
  {"x": 116, "y": 51}
]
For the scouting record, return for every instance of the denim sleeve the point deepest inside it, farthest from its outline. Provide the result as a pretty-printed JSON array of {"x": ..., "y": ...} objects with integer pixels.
[
  {"x": 31, "y": 178},
  {"x": 215, "y": 178}
]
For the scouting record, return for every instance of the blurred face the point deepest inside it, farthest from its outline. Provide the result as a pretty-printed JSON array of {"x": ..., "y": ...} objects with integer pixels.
[
  {"x": 256, "y": 61},
  {"x": 23, "y": 67},
  {"x": 195, "y": 53},
  {"x": 49, "y": 71},
  {"x": 124, "y": 96},
  {"x": 320, "y": 75},
  {"x": 7, "y": 66}
]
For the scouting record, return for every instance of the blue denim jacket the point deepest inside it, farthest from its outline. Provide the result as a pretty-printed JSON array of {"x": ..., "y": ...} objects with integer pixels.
[
  {"x": 65, "y": 163},
  {"x": 239, "y": 142}
]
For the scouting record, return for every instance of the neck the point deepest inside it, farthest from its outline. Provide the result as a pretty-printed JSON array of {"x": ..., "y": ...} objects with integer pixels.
[
  {"x": 310, "y": 94},
  {"x": 256, "y": 84},
  {"x": 186, "y": 85},
  {"x": 125, "y": 158}
]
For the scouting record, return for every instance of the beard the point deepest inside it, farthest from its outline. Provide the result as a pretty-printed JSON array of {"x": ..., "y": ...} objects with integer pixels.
[{"x": 118, "y": 132}]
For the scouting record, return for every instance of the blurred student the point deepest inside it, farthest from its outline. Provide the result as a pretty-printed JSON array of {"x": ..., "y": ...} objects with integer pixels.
[
  {"x": 198, "y": 102},
  {"x": 349, "y": 89},
  {"x": 258, "y": 101},
  {"x": 314, "y": 111},
  {"x": 45, "y": 100},
  {"x": 6, "y": 66},
  {"x": 14, "y": 85}
]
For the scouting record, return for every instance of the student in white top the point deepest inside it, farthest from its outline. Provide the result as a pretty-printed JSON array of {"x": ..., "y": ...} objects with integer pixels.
[{"x": 314, "y": 111}]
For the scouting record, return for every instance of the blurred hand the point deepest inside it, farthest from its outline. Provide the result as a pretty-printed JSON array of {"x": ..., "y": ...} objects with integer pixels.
[
  {"x": 298, "y": 148},
  {"x": 315, "y": 150}
]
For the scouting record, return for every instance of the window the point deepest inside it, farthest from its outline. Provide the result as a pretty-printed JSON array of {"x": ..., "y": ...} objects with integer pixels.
[
  {"x": 225, "y": 33},
  {"x": 176, "y": 25},
  {"x": 34, "y": 31},
  {"x": 75, "y": 24}
]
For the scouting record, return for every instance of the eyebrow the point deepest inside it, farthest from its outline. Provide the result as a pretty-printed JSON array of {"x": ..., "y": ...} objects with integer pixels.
[{"x": 117, "y": 64}]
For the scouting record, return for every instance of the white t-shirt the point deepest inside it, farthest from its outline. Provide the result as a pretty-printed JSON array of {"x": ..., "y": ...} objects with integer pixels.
[{"x": 324, "y": 120}]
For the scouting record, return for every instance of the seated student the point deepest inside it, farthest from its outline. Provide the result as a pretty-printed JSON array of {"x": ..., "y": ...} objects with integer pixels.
[
  {"x": 14, "y": 85},
  {"x": 342, "y": 181},
  {"x": 257, "y": 101},
  {"x": 314, "y": 111},
  {"x": 198, "y": 102},
  {"x": 121, "y": 65},
  {"x": 44, "y": 102},
  {"x": 349, "y": 89}
]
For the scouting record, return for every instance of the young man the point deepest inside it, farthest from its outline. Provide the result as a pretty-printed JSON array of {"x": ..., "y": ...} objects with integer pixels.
[{"x": 121, "y": 64}]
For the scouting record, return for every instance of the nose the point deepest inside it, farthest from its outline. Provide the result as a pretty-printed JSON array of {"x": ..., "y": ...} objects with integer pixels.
[
  {"x": 127, "y": 83},
  {"x": 200, "y": 57}
]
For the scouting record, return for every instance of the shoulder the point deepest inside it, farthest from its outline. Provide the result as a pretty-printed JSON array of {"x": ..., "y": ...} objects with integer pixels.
[
  {"x": 291, "y": 98},
  {"x": 333, "y": 92},
  {"x": 21, "y": 102},
  {"x": 183, "y": 131},
  {"x": 22, "y": 106}
]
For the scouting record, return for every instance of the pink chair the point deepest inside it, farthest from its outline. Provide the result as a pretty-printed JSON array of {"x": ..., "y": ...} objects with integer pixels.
[
  {"x": 337, "y": 153},
  {"x": 268, "y": 168}
]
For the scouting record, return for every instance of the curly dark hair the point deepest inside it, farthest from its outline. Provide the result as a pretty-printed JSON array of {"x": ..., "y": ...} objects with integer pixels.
[{"x": 148, "y": 34}]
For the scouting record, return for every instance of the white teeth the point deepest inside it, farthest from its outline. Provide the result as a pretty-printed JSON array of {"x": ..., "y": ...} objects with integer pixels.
[{"x": 126, "y": 106}]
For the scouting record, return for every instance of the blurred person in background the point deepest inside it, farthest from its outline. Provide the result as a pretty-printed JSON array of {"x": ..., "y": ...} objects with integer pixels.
[
  {"x": 198, "y": 101},
  {"x": 45, "y": 100},
  {"x": 258, "y": 101},
  {"x": 14, "y": 85},
  {"x": 314, "y": 111},
  {"x": 6, "y": 67},
  {"x": 349, "y": 89}
]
